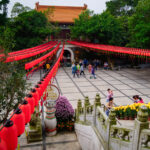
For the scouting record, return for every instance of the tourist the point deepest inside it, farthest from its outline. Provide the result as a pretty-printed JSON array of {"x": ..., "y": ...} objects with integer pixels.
[
  {"x": 109, "y": 94},
  {"x": 137, "y": 99},
  {"x": 82, "y": 70},
  {"x": 140, "y": 100},
  {"x": 96, "y": 62},
  {"x": 72, "y": 67},
  {"x": 75, "y": 71},
  {"x": 85, "y": 62},
  {"x": 81, "y": 63},
  {"x": 106, "y": 65},
  {"x": 47, "y": 66},
  {"x": 109, "y": 105},
  {"x": 78, "y": 69},
  {"x": 90, "y": 68},
  {"x": 93, "y": 73}
]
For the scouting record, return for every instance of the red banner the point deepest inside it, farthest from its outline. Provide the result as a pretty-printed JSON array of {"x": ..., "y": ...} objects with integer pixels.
[
  {"x": 27, "y": 55},
  {"x": 115, "y": 49},
  {"x": 35, "y": 62}
]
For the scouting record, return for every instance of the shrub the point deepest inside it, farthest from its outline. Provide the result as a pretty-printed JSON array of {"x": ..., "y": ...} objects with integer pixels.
[{"x": 64, "y": 110}]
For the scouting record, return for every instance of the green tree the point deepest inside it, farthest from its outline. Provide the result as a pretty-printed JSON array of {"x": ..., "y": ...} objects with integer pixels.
[
  {"x": 103, "y": 28},
  {"x": 3, "y": 11},
  {"x": 79, "y": 30},
  {"x": 121, "y": 7},
  {"x": 30, "y": 29},
  {"x": 12, "y": 89},
  {"x": 7, "y": 39},
  {"x": 139, "y": 25},
  {"x": 18, "y": 8}
]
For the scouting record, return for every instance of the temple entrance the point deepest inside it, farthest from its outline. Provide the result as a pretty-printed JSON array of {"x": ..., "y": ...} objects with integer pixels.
[{"x": 68, "y": 56}]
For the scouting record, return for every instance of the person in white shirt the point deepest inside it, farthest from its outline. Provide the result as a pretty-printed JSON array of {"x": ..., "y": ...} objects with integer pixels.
[{"x": 82, "y": 70}]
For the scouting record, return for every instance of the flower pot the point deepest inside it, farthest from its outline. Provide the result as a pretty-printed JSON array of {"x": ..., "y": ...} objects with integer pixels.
[
  {"x": 131, "y": 118},
  {"x": 126, "y": 118}
]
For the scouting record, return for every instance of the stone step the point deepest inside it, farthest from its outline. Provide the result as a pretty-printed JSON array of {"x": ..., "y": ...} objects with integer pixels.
[{"x": 61, "y": 141}]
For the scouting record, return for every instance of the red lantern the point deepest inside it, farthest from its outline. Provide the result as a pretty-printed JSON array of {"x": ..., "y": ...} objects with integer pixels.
[
  {"x": 30, "y": 100},
  {"x": 26, "y": 109},
  {"x": 41, "y": 87},
  {"x": 35, "y": 95},
  {"x": 19, "y": 120},
  {"x": 9, "y": 135},
  {"x": 3, "y": 145},
  {"x": 39, "y": 91}
]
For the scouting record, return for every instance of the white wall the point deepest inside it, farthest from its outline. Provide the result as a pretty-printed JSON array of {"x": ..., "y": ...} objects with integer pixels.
[{"x": 87, "y": 137}]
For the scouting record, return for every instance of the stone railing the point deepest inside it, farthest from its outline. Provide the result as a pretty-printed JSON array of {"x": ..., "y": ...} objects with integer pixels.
[{"x": 113, "y": 135}]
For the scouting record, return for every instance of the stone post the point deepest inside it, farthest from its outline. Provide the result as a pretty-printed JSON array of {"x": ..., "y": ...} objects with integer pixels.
[
  {"x": 86, "y": 101},
  {"x": 110, "y": 121},
  {"x": 96, "y": 103},
  {"x": 98, "y": 100},
  {"x": 79, "y": 105},
  {"x": 140, "y": 123},
  {"x": 79, "y": 109},
  {"x": 86, "y": 104}
]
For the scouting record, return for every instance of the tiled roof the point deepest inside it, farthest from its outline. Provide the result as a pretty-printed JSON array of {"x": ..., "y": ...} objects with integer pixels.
[{"x": 62, "y": 14}]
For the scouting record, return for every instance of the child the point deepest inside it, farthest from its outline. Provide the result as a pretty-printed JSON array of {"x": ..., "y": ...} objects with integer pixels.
[
  {"x": 137, "y": 99},
  {"x": 109, "y": 105},
  {"x": 140, "y": 100},
  {"x": 109, "y": 94}
]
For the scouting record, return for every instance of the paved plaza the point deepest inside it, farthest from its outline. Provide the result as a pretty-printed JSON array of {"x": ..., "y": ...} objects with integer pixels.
[{"x": 124, "y": 83}]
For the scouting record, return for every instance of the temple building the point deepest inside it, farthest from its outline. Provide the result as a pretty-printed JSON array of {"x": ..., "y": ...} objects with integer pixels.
[{"x": 62, "y": 15}]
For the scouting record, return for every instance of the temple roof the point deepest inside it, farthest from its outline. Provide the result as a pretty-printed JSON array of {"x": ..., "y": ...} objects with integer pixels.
[{"x": 61, "y": 14}]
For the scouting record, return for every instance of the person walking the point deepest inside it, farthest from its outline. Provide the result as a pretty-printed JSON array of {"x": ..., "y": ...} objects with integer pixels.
[
  {"x": 72, "y": 67},
  {"x": 75, "y": 71},
  {"x": 82, "y": 70},
  {"x": 93, "y": 73},
  {"x": 78, "y": 69},
  {"x": 47, "y": 66}
]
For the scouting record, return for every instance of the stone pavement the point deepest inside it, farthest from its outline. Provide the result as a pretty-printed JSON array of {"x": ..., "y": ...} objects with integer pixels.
[
  {"x": 124, "y": 83},
  {"x": 61, "y": 141}
]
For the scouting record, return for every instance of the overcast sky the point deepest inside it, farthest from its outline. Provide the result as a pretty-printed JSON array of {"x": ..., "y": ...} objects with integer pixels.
[{"x": 97, "y": 5}]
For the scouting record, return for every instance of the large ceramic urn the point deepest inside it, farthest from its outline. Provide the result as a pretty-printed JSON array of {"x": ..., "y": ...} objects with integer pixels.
[{"x": 50, "y": 119}]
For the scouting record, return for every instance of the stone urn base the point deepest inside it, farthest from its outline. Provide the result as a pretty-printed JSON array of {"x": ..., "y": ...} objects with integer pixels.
[
  {"x": 52, "y": 133},
  {"x": 50, "y": 119}
]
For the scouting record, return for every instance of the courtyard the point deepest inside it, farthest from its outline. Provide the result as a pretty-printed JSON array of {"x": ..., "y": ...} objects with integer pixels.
[{"x": 124, "y": 83}]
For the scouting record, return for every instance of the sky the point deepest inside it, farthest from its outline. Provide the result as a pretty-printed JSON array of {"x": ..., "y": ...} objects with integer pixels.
[{"x": 97, "y": 5}]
